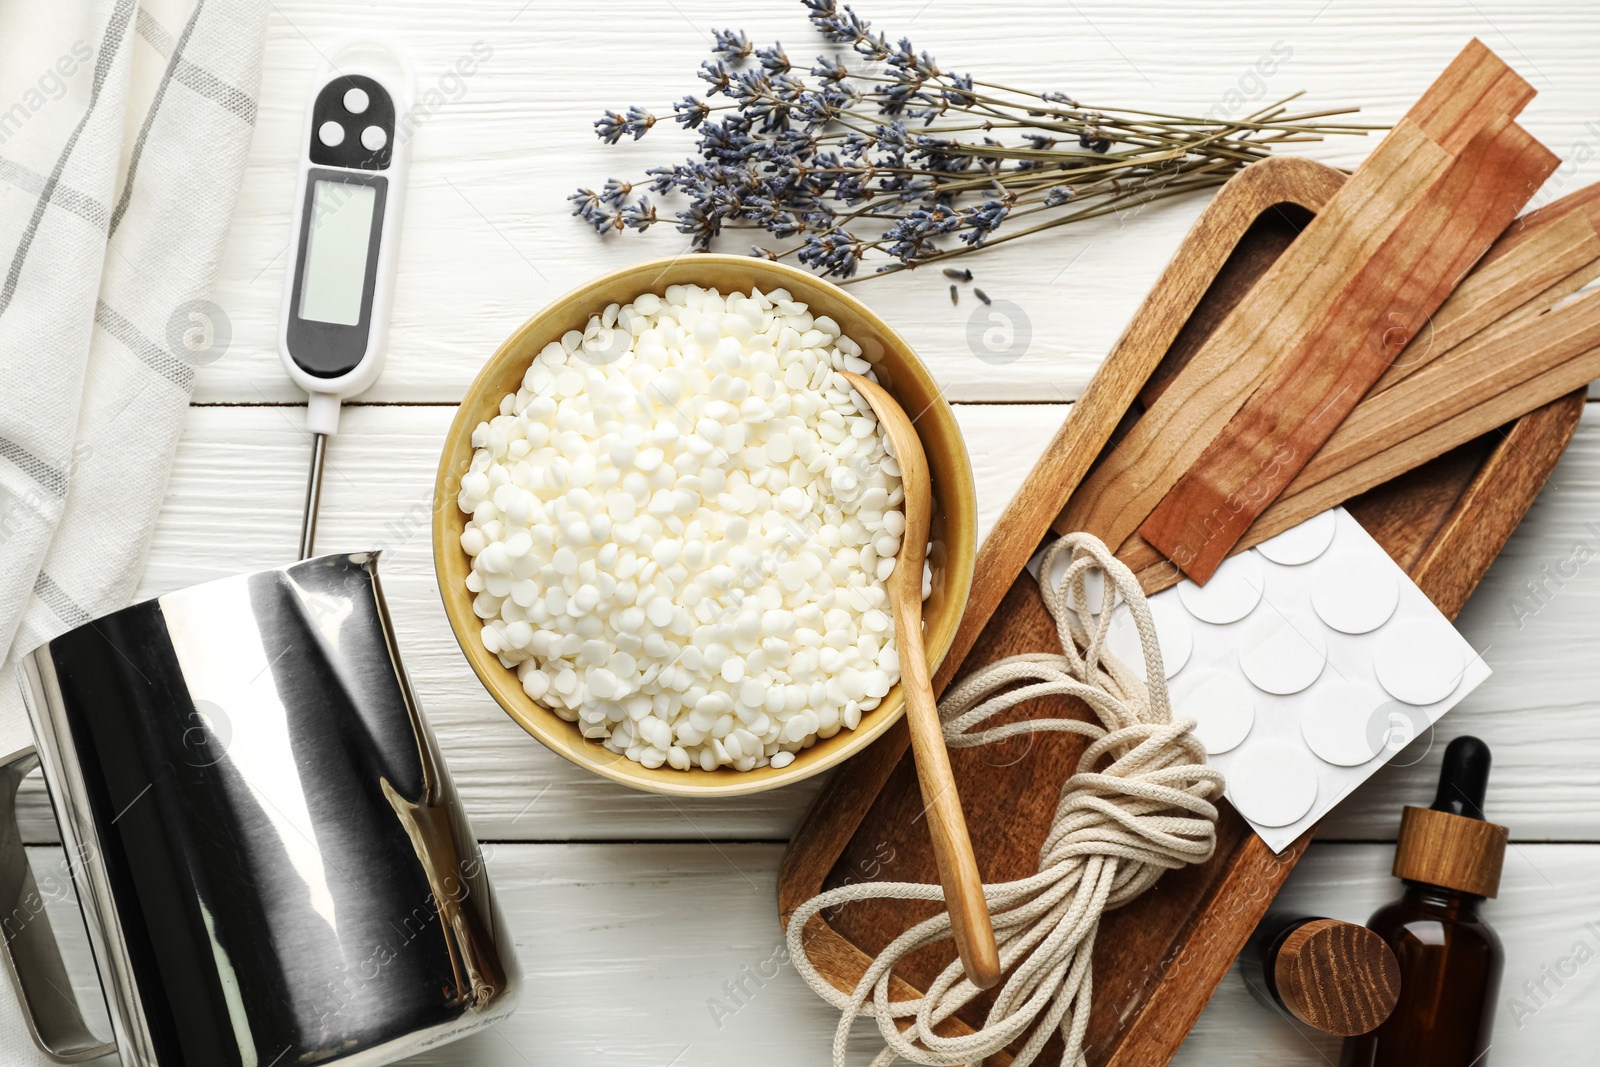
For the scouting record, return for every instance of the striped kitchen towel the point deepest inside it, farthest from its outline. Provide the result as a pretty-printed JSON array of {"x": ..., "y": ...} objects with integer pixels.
[{"x": 124, "y": 126}]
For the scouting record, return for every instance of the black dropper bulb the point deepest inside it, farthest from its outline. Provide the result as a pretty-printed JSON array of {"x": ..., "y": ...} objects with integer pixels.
[{"x": 1464, "y": 778}]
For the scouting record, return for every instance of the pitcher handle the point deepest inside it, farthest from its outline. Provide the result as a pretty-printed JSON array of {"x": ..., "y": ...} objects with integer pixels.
[{"x": 32, "y": 954}]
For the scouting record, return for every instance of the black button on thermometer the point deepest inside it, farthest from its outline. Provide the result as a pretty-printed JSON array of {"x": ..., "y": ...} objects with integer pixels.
[{"x": 345, "y": 237}]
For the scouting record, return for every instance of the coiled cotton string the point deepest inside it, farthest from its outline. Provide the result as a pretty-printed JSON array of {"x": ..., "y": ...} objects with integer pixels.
[{"x": 1138, "y": 804}]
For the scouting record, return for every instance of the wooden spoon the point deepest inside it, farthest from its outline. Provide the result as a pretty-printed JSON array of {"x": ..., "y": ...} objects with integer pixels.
[{"x": 958, "y": 868}]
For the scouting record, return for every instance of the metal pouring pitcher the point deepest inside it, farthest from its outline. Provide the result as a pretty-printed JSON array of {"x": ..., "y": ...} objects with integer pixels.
[{"x": 272, "y": 862}]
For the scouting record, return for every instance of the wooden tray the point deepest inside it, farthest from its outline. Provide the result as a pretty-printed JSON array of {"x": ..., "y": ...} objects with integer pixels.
[{"x": 1158, "y": 960}]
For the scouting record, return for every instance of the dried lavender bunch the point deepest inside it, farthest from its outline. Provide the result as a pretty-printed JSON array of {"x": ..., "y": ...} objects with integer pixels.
[{"x": 878, "y": 157}]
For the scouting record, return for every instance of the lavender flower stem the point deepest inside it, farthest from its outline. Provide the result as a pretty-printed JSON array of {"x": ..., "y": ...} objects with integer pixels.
[{"x": 846, "y": 168}]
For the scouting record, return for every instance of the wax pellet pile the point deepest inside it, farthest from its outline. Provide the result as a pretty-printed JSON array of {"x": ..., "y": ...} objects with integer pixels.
[{"x": 682, "y": 526}]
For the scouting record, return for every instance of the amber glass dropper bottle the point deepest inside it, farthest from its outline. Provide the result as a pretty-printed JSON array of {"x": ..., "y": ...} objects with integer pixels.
[{"x": 1450, "y": 959}]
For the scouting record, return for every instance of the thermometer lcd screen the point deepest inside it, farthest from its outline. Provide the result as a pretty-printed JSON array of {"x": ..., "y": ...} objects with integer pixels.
[{"x": 336, "y": 252}]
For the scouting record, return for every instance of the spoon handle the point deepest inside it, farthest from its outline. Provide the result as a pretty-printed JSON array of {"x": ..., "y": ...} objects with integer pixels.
[{"x": 952, "y": 848}]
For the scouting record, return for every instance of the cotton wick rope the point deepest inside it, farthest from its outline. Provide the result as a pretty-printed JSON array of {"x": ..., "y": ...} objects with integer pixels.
[{"x": 1138, "y": 804}]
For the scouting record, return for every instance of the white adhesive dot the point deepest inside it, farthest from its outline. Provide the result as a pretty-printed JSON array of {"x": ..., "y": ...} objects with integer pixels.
[
  {"x": 1303, "y": 543},
  {"x": 373, "y": 138},
  {"x": 1358, "y": 596},
  {"x": 1172, "y": 635},
  {"x": 1232, "y": 593},
  {"x": 1338, "y": 723},
  {"x": 331, "y": 134},
  {"x": 1279, "y": 657},
  {"x": 1420, "y": 662},
  {"x": 355, "y": 100},
  {"x": 1222, "y": 707},
  {"x": 1273, "y": 783}
]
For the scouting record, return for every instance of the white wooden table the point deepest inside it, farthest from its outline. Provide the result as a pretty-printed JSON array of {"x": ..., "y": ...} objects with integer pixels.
[{"x": 634, "y": 916}]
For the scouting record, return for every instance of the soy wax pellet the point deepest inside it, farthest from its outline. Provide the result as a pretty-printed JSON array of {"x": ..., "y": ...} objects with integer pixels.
[{"x": 680, "y": 534}]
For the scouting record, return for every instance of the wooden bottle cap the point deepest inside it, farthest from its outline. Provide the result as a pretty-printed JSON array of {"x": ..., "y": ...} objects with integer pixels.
[
  {"x": 1338, "y": 977},
  {"x": 1452, "y": 851}
]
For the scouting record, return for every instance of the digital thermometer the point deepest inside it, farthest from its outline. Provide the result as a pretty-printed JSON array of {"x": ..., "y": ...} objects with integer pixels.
[{"x": 344, "y": 240}]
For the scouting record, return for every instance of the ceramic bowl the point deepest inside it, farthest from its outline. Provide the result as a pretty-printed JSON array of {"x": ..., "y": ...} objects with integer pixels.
[{"x": 954, "y": 533}]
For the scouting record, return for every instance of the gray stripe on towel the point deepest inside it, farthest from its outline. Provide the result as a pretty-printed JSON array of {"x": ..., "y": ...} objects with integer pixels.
[
  {"x": 159, "y": 36},
  {"x": 153, "y": 355},
  {"x": 194, "y": 76},
  {"x": 110, "y": 46},
  {"x": 214, "y": 88},
  {"x": 150, "y": 117},
  {"x": 56, "y": 599},
  {"x": 81, "y": 204},
  {"x": 52, "y": 480}
]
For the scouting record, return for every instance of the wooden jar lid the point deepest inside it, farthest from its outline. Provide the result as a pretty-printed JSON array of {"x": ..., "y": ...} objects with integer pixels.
[
  {"x": 1338, "y": 977},
  {"x": 1452, "y": 851}
]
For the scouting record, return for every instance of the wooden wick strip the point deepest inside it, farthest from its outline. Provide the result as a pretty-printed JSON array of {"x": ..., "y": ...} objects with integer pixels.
[
  {"x": 1450, "y": 386},
  {"x": 1474, "y": 91},
  {"x": 1475, "y": 84},
  {"x": 1320, "y": 378},
  {"x": 1559, "y": 260},
  {"x": 1511, "y": 267},
  {"x": 1518, "y": 319},
  {"x": 1536, "y": 245},
  {"x": 1585, "y": 200},
  {"x": 1444, "y": 406},
  {"x": 1132, "y": 479},
  {"x": 1435, "y": 440},
  {"x": 1156, "y": 573},
  {"x": 1548, "y": 230}
]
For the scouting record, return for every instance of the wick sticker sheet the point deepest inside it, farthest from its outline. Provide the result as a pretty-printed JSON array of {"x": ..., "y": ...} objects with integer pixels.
[{"x": 1307, "y": 661}]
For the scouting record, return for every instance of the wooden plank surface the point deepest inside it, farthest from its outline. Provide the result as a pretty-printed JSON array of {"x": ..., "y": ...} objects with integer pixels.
[
  {"x": 626, "y": 942},
  {"x": 233, "y": 505},
  {"x": 487, "y": 237},
  {"x": 628, "y": 964},
  {"x": 1547, "y": 896}
]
